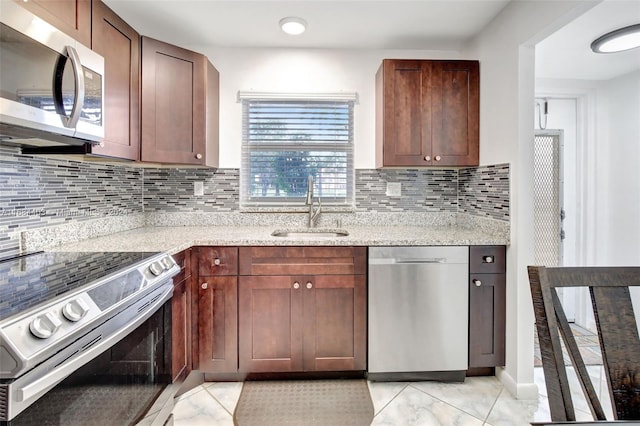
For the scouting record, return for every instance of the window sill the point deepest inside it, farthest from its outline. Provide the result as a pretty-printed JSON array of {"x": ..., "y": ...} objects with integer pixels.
[{"x": 296, "y": 209}]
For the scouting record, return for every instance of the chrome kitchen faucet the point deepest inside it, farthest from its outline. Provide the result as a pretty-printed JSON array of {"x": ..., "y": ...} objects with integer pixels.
[{"x": 313, "y": 215}]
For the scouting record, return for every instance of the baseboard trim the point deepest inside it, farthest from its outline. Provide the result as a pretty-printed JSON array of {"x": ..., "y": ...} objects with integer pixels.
[{"x": 518, "y": 390}]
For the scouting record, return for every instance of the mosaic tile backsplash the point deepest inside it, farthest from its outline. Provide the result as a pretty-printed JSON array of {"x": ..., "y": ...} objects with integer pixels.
[{"x": 39, "y": 191}]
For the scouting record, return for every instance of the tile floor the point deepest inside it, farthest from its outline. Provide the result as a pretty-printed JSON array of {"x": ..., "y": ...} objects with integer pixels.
[{"x": 478, "y": 401}]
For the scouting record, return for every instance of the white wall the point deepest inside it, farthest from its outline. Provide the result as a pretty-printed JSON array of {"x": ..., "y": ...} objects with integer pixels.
[
  {"x": 619, "y": 160},
  {"x": 506, "y": 54},
  {"x": 306, "y": 71}
]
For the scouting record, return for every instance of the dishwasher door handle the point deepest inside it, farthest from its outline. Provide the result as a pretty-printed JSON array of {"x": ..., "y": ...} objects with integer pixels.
[
  {"x": 406, "y": 260},
  {"x": 421, "y": 260}
]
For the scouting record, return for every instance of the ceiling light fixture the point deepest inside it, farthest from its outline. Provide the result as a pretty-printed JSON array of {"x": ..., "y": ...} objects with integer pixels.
[
  {"x": 617, "y": 41},
  {"x": 292, "y": 25}
]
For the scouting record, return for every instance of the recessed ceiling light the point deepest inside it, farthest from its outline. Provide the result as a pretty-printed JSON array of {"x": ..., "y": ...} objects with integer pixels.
[
  {"x": 292, "y": 25},
  {"x": 617, "y": 41}
]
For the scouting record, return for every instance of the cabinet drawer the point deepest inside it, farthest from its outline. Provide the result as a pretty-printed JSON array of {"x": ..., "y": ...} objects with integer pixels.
[
  {"x": 487, "y": 259},
  {"x": 217, "y": 261},
  {"x": 303, "y": 260}
]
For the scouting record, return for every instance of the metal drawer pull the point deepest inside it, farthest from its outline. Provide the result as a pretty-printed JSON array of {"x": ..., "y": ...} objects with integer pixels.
[
  {"x": 487, "y": 259},
  {"x": 204, "y": 286},
  {"x": 296, "y": 285},
  {"x": 217, "y": 262},
  {"x": 478, "y": 283},
  {"x": 309, "y": 285}
]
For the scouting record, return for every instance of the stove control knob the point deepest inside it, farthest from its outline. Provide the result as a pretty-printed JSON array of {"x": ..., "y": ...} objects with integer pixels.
[
  {"x": 156, "y": 268},
  {"x": 43, "y": 326},
  {"x": 167, "y": 262},
  {"x": 75, "y": 310}
]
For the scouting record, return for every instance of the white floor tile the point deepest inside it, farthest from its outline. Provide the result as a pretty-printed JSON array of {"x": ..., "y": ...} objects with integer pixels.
[
  {"x": 509, "y": 411},
  {"x": 383, "y": 392},
  {"x": 191, "y": 392},
  {"x": 200, "y": 409},
  {"x": 475, "y": 396},
  {"x": 413, "y": 407},
  {"x": 226, "y": 393}
]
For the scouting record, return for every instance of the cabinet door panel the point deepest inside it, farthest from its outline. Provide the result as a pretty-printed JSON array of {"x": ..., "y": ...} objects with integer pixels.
[
  {"x": 270, "y": 324},
  {"x": 407, "y": 113},
  {"x": 455, "y": 109},
  {"x": 119, "y": 44},
  {"x": 487, "y": 320},
  {"x": 335, "y": 323},
  {"x": 173, "y": 91},
  {"x": 217, "y": 324},
  {"x": 70, "y": 16}
]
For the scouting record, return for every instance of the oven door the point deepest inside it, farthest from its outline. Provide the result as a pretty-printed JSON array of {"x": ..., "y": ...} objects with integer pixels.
[{"x": 117, "y": 387}]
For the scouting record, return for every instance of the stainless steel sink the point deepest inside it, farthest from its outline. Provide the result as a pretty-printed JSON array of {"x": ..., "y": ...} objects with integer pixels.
[{"x": 310, "y": 233}]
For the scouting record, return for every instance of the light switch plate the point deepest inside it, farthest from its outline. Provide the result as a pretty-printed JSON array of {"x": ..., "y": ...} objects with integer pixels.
[
  {"x": 394, "y": 189},
  {"x": 198, "y": 188}
]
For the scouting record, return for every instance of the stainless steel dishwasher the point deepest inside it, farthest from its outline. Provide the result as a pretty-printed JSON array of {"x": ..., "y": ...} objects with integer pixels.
[{"x": 418, "y": 313}]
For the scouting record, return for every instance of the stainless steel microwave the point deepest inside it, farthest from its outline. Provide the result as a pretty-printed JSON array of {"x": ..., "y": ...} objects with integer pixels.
[{"x": 51, "y": 86}]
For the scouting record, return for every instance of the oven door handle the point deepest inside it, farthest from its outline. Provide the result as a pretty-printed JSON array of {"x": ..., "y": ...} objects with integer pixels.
[{"x": 58, "y": 374}]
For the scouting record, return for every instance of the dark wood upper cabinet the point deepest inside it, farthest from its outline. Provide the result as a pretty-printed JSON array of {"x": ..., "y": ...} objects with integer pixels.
[
  {"x": 70, "y": 16},
  {"x": 427, "y": 113},
  {"x": 180, "y": 106},
  {"x": 119, "y": 44}
]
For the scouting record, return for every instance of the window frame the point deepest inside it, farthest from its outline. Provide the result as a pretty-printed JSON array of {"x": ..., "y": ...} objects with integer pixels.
[{"x": 249, "y": 202}]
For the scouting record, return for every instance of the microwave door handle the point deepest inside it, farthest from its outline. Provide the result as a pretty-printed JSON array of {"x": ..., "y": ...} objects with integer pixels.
[
  {"x": 78, "y": 91},
  {"x": 78, "y": 103}
]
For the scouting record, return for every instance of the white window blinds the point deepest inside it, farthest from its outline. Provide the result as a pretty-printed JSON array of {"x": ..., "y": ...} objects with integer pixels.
[{"x": 286, "y": 140}]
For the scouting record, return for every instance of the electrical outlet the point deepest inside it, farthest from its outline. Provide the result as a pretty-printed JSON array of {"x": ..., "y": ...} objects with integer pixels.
[
  {"x": 198, "y": 188},
  {"x": 394, "y": 189}
]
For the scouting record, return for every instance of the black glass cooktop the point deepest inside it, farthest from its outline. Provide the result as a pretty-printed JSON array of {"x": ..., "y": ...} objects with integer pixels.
[{"x": 30, "y": 280}]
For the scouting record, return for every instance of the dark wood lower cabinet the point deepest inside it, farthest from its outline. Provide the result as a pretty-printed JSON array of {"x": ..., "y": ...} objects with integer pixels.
[
  {"x": 180, "y": 341},
  {"x": 181, "y": 318},
  {"x": 302, "y": 323},
  {"x": 487, "y": 294},
  {"x": 218, "y": 323}
]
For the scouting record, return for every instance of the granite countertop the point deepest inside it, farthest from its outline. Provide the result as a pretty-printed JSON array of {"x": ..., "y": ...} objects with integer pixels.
[{"x": 173, "y": 239}]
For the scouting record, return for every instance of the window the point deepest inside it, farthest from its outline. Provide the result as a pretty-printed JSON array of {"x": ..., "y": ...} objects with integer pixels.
[{"x": 287, "y": 138}]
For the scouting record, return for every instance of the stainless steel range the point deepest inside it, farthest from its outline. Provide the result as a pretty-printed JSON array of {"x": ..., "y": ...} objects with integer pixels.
[{"x": 73, "y": 325}]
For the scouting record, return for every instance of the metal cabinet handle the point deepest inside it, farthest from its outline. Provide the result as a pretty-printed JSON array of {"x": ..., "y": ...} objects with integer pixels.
[
  {"x": 199, "y": 156},
  {"x": 478, "y": 283},
  {"x": 427, "y": 158},
  {"x": 309, "y": 285},
  {"x": 204, "y": 286},
  {"x": 217, "y": 262},
  {"x": 296, "y": 285},
  {"x": 438, "y": 158},
  {"x": 487, "y": 259}
]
